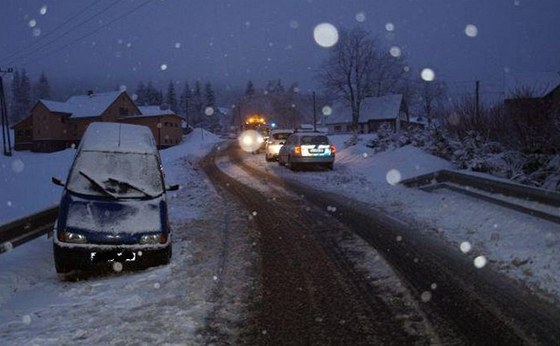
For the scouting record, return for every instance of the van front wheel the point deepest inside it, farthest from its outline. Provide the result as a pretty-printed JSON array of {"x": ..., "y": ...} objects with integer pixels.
[
  {"x": 61, "y": 263},
  {"x": 164, "y": 256}
]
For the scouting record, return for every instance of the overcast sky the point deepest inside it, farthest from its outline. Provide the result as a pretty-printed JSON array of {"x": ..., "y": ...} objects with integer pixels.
[{"x": 230, "y": 42}]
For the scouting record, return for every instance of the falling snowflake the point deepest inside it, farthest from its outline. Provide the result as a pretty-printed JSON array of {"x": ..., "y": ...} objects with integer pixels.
[
  {"x": 471, "y": 30},
  {"x": 428, "y": 74},
  {"x": 117, "y": 267},
  {"x": 426, "y": 296},
  {"x": 395, "y": 52},
  {"x": 480, "y": 262},
  {"x": 465, "y": 247},
  {"x": 26, "y": 319},
  {"x": 393, "y": 177},
  {"x": 361, "y": 17},
  {"x": 18, "y": 166},
  {"x": 326, "y": 35}
]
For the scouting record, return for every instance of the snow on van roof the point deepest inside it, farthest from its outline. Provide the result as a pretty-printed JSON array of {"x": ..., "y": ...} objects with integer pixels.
[{"x": 117, "y": 137}]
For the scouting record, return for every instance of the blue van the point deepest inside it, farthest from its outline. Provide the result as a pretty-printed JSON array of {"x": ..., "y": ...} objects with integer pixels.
[{"x": 113, "y": 210}]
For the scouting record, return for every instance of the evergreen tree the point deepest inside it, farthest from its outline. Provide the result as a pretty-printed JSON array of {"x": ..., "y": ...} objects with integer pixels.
[
  {"x": 186, "y": 96},
  {"x": 153, "y": 96},
  {"x": 211, "y": 113},
  {"x": 249, "y": 89},
  {"x": 14, "y": 107},
  {"x": 42, "y": 88},
  {"x": 171, "y": 97},
  {"x": 141, "y": 94},
  {"x": 209, "y": 97},
  {"x": 197, "y": 104},
  {"x": 21, "y": 95}
]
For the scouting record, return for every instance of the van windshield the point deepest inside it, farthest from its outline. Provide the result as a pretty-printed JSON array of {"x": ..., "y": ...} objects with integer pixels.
[{"x": 116, "y": 175}]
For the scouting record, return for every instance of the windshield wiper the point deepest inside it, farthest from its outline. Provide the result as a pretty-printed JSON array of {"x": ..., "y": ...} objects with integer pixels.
[
  {"x": 99, "y": 185},
  {"x": 137, "y": 188}
]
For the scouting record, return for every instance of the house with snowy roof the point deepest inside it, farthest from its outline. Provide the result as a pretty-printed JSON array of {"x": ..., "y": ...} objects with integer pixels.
[
  {"x": 537, "y": 95},
  {"x": 53, "y": 125},
  {"x": 374, "y": 111}
]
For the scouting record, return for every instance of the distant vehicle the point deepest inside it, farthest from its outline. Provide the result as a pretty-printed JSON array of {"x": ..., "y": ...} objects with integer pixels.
[
  {"x": 307, "y": 148},
  {"x": 258, "y": 123},
  {"x": 275, "y": 141},
  {"x": 113, "y": 210}
]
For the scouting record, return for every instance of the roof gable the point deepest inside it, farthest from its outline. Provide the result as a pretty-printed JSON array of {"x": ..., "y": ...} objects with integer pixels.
[
  {"x": 93, "y": 105},
  {"x": 373, "y": 108},
  {"x": 57, "y": 107}
]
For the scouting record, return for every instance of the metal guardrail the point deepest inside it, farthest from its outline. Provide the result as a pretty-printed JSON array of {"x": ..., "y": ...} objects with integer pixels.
[
  {"x": 446, "y": 178},
  {"x": 27, "y": 228}
]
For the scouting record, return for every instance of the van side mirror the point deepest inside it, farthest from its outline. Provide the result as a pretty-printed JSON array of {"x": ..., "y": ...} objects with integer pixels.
[
  {"x": 173, "y": 187},
  {"x": 57, "y": 181}
]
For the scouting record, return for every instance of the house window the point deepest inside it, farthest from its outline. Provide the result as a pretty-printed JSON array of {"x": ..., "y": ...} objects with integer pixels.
[{"x": 123, "y": 111}]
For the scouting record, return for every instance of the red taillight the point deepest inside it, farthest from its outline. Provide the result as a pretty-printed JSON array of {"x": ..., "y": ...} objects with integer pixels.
[
  {"x": 333, "y": 149},
  {"x": 297, "y": 150},
  {"x": 163, "y": 238}
]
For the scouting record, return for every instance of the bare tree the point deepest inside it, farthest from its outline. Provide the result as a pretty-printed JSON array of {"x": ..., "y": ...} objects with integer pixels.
[
  {"x": 356, "y": 69},
  {"x": 348, "y": 70},
  {"x": 432, "y": 95}
]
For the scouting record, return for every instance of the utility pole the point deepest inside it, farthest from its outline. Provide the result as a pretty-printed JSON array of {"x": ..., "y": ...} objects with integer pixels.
[
  {"x": 314, "y": 114},
  {"x": 4, "y": 115},
  {"x": 477, "y": 93}
]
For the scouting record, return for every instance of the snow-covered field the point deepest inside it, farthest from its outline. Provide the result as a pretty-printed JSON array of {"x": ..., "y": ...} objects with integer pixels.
[{"x": 88, "y": 312}]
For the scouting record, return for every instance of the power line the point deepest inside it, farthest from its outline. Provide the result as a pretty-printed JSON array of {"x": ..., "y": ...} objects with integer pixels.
[
  {"x": 92, "y": 32},
  {"x": 43, "y": 37},
  {"x": 89, "y": 19}
]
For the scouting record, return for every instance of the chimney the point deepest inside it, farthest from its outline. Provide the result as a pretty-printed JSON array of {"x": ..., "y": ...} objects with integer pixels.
[{"x": 90, "y": 93}]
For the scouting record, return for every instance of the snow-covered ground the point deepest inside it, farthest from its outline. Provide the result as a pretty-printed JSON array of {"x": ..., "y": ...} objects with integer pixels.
[
  {"x": 524, "y": 247},
  {"x": 163, "y": 304},
  {"x": 88, "y": 312}
]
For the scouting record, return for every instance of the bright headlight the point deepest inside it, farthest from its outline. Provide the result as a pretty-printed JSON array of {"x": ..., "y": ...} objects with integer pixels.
[
  {"x": 69, "y": 237},
  {"x": 150, "y": 239}
]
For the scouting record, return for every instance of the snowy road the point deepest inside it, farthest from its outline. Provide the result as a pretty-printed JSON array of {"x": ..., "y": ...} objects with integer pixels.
[
  {"x": 311, "y": 293},
  {"x": 465, "y": 304}
]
